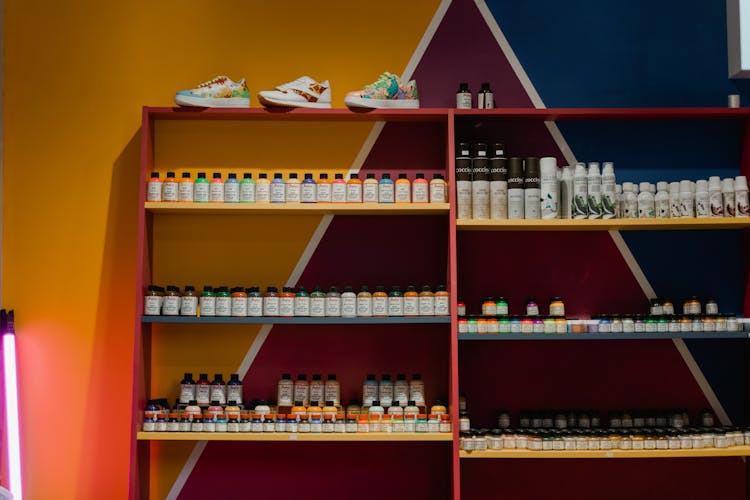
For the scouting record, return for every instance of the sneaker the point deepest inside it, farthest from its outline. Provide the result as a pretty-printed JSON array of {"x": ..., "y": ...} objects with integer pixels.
[
  {"x": 221, "y": 92},
  {"x": 386, "y": 92},
  {"x": 304, "y": 92}
]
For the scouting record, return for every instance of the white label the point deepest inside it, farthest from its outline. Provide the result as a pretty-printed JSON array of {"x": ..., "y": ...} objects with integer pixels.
[
  {"x": 232, "y": 192},
  {"x": 380, "y": 306},
  {"x": 674, "y": 205},
  {"x": 498, "y": 200},
  {"x": 338, "y": 192},
  {"x": 285, "y": 393},
  {"x": 333, "y": 306},
  {"x": 463, "y": 197},
  {"x": 239, "y": 306},
  {"x": 463, "y": 100},
  {"x": 302, "y": 306},
  {"x": 386, "y": 394},
  {"x": 395, "y": 306},
  {"x": 743, "y": 207},
  {"x": 203, "y": 394},
  {"x": 416, "y": 392},
  {"x": 293, "y": 194},
  {"x": 729, "y": 204},
  {"x": 309, "y": 192},
  {"x": 532, "y": 205},
  {"x": 201, "y": 192},
  {"x": 442, "y": 305},
  {"x": 317, "y": 391},
  {"x": 369, "y": 393},
  {"x": 370, "y": 192},
  {"x": 152, "y": 305},
  {"x": 185, "y": 191},
  {"x": 223, "y": 306},
  {"x": 411, "y": 306},
  {"x": 702, "y": 205},
  {"x": 646, "y": 208},
  {"x": 317, "y": 307},
  {"x": 171, "y": 305},
  {"x": 515, "y": 204},
  {"x": 687, "y": 207},
  {"x": 354, "y": 192},
  {"x": 437, "y": 192},
  {"x": 420, "y": 192},
  {"x": 169, "y": 192},
  {"x": 286, "y": 306},
  {"x": 661, "y": 206},
  {"x": 302, "y": 392},
  {"x": 348, "y": 307},
  {"x": 189, "y": 306},
  {"x": 532, "y": 310},
  {"x": 403, "y": 192},
  {"x": 364, "y": 306},
  {"x": 480, "y": 199},
  {"x": 255, "y": 306},
  {"x": 557, "y": 310},
  {"x": 247, "y": 192},
  {"x": 324, "y": 192},
  {"x": 426, "y": 305},
  {"x": 278, "y": 192},
  {"x": 218, "y": 393},
  {"x": 149, "y": 426},
  {"x": 153, "y": 192},
  {"x": 263, "y": 192},
  {"x": 549, "y": 196},
  {"x": 187, "y": 393},
  {"x": 216, "y": 192},
  {"x": 385, "y": 192},
  {"x": 270, "y": 306},
  {"x": 717, "y": 208}
]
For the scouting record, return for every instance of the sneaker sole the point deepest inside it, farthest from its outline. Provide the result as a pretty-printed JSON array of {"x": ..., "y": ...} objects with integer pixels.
[
  {"x": 212, "y": 102},
  {"x": 361, "y": 102},
  {"x": 295, "y": 104}
]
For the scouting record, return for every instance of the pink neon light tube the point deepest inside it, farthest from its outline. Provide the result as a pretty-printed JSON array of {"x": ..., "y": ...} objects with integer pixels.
[{"x": 11, "y": 405}]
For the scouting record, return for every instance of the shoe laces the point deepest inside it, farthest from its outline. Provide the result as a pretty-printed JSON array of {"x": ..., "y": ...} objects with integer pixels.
[
  {"x": 302, "y": 80},
  {"x": 218, "y": 79},
  {"x": 384, "y": 77}
]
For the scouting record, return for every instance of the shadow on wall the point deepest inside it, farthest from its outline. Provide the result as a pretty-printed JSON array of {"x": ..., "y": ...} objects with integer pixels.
[{"x": 108, "y": 425}]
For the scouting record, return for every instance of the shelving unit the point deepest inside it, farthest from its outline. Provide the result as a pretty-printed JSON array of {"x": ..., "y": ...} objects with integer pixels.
[
  {"x": 289, "y": 437},
  {"x": 735, "y": 451}
]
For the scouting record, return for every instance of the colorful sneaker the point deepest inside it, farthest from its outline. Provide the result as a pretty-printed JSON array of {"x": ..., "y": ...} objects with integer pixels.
[
  {"x": 386, "y": 92},
  {"x": 304, "y": 92},
  {"x": 221, "y": 92}
]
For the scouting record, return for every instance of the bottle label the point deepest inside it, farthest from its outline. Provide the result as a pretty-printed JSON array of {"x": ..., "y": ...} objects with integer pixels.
[
  {"x": 239, "y": 306},
  {"x": 463, "y": 197},
  {"x": 151, "y": 305},
  {"x": 333, "y": 306},
  {"x": 278, "y": 192},
  {"x": 661, "y": 206},
  {"x": 170, "y": 191},
  {"x": 502, "y": 309},
  {"x": 549, "y": 196},
  {"x": 317, "y": 307},
  {"x": 154, "y": 191},
  {"x": 580, "y": 198},
  {"x": 286, "y": 306},
  {"x": 420, "y": 192},
  {"x": 247, "y": 192},
  {"x": 293, "y": 194},
  {"x": 702, "y": 205},
  {"x": 317, "y": 392},
  {"x": 717, "y": 208},
  {"x": 232, "y": 192},
  {"x": 646, "y": 208},
  {"x": 223, "y": 306},
  {"x": 201, "y": 192},
  {"x": 687, "y": 207},
  {"x": 403, "y": 192},
  {"x": 532, "y": 205},
  {"x": 185, "y": 191},
  {"x": 426, "y": 306},
  {"x": 411, "y": 306},
  {"x": 270, "y": 306},
  {"x": 348, "y": 307},
  {"x": 498, "y": 200},
  {"x": 309, "y": 192},
  {"x": 324, "y": 192},
  {"x": 234, "y": 393},
  {"x": 743, "y": 207},
  {"x": 338, "y": 192},
  {"x": 395, "y": 306},
  {"x": 674, "y": 206},
  {"x": 218, "y": 394},
  {"x": 203, "y": 394},
  {"x": 437, "y": 192},
  {"x": 595, "y": 201},
  {"x": 386, "y": 394},
  {"x": 416, "y": 392},
  {"x": 302, "y": 393},
  {"x": 729, "y": 204},
  {"x": 385, "y": 192},
  {"x": 216, "y": 192},
  {"x": 285, "y": 392},
  {"x": 442, "y": 305},
  {"x": 609, "y": 199},
  {"x": 480, "y": 199},
  {"x": 189, "y": 306},
  {"x": 171, "y": 306},
  {"x": 302, "y": 306},
  {"x": 369, "y": 394},
  {"x": 370, "y": 192},
  {"x": 516, "y": 203},
  {"x": 332, "y": 393},
  {"x": 463, "y": 100},
  {"x": 364, "y": 306},
  {"x": 354, "y": 193},
  {"x": 380, "y": 306},
  {"x": 263, "y": 192},
  {"x": 255, "y": 306},
  {"x": 187, "y": 393}
]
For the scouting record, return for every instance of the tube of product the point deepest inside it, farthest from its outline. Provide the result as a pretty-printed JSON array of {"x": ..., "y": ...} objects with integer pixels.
[
  {"x": 566, "y": 194},
  {"x": 594, "y": 187},
  {"x": 609, "y": 195},
  {"x": 532, "y": 189},
  {"x": 580, "y": 192},
  {"x": 549, "y": 188}
]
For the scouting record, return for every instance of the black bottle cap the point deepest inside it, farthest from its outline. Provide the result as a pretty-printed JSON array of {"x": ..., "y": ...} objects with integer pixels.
[
  {"x": 263, "y": 176},
  {"x": 515, "y": 173},
  {"x": 416, "y": 376},
  {"x": 214, "y": 402},
  {"x": 463, "y": 87},
  {"x": 324, "y": 176},
  {"x": 395, "y": 288},
  {"x": 329, "y": 403},
  {"x": 271, "y": 289},
  {"x": 480, "y": 149},
  {"x": 301, "y": 289},
  {"x": 277, "y": 176},
  {"x": 201, "y": 175},
  {"x": 370, "y": 376},
  {"x": 498, "y": 169},
  {"x": 486, "y": 87},
  {"x": 531, "y": 173},
  {"x": 385, "y": 176},
  {"x": 170, "y": 175},
  {"x": 231, "y": 402},
  {"x": 437, "y": 176},
  {"x": 218, "y": 377},
  {"x": 385, "y": 377},
  {"x": 237, "y": 289},
  {"x": 426, "y": 288},
  {"x": 217, "y": 175},
  {"x": 193, "y": 402},
  {"x": 301, "y": 376},
  {"x": 402, "y": 176},
  {"x": 203, "y": 376},
  {"x": 298, "y": 403},
  {"x": 234, "y": 377},
  {"x": 331, "y": 376},
  {"x": 314, "y": 403},
  {"x": 316, "y": 376},
  {"x": 232, "y": 176},
  {"x": 370, "y": 176},
  {"x": 348, "y": 289},
  {"x": 338, "y": 176},
  {"x": 379, "y": 288},
  {"x": 247, "y": 176},
  {"x": 172, "y": 288},
  {"x": 375, "y": 402},
  {"x": 154, "y": 175},
  {"x": 497, "y": 150},
  {"x": 400, "y": 376},
  {"x": 354, "y": 176},
  {"x": 411, "y": 403},
  {"x": 188, "y": 376},
  {"x": 333, "y": 289},
  {"x": 364, "y": 288},
  {"x": 292, "y": 175},
  {"x": 411, "y": 288},
  {"x": 308, "y": 176},
  {"x": 186, "y": 175},
  {"x": 463, "y": 149}
]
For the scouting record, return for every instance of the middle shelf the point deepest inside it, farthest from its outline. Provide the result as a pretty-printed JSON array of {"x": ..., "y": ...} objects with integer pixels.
[
  {"x": 302, "y": 320},
  {"x": 284, "y": 436},
  {"x": 604, "y": 336}
]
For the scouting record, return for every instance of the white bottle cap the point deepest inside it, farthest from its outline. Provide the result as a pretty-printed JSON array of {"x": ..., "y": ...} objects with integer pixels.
[
  {"x": 674, "y": 187},
  {"x": 701, "y": 186},
  {"x": 714, "y": 182},
  {"x": 635, "y": 188},
  {"x": 627, "y": 186},
  {"x": 608, "y": 168},
  {"x": 662, "y": 186},
  {"x": 740, "y": 183},
  {"x": 548, "y": 166},
  {"x": 685, "y": 187},
  {"x": 644, "y": 186},
  {"x": 593, "y": 168},
  {"x": 652, "y": 188},
  {"x": 618, "y": 188},
  {"x": 727, "y": 185},
  {"x": 580, "y": 169},
  {"x": 567, "y": 173},
  {"x": 692, "y": 186}
]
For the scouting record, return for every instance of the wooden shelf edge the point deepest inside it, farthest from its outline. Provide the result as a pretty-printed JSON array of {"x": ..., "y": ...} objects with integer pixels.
[
  {"x": 602, "y": 224},
  {"x": 298, "y": 114},
  {"x": 284, "y": 436},
  {"x": 736, "y": 451},
  {"x": 298, "y": 208},
  {"x": 604, "y": 336},
  {"x": 548, "y": 114},
  {"x": 247, "y": 320}
]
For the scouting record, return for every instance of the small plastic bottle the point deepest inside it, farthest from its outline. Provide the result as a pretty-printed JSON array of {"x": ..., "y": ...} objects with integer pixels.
[
  {"x": 426, "y": 302},
  {"x": 485, "y": 97},
  {"x": 201, "y": 189},
  {"x": 239, "y": 302},
  {"x": 420, "y": 190},
  {"x": 580, "y": 192},
  {"x": 438, "y": 191},
  {"x": 379, "y": 302},
  {"x": 278, "y": 189},
  {"x": 152, "y": 301},
  {"x": 609, "y": 195},
  {"x": 645, "y": 202},
  {"x": 301, "y": 391},
  {"x": 185, "y": 189},
  {"x": 323, "y": 189},
  {"x": 271, "y": 301},
  {"x": 170, "y": 188},
  {"x": 189, "y": 302},
  {"x": 153, "y": 187},
  {"x": 333, "y": 302},
  {"x": 301, "y": 302},
  {"x": 285, "y": 390},
  {"x": 247, "y": 189},
  {"x": 223, "y": 301},
  {"x": 338, "y": 189},
  {"x": 442, "y": 301},
  {"x": 317, "y": 392},
  {"x": 263, "y": 189},
  {"x": 187, "y": 388},
  {"x": 411, "y": 301},
  {"x": 216, "y": 189},
  {"x": 401, "y": 390},
  {"x": 364, "y": 302},
  {"x": 386, "y": 193},
  {"x": 293, "y": 189},
  {"x": 594, "y": 188},
  {"x": 727, "y": 193},
  {"x": 332, "y": 390},
  {"x": 202, "y": 390},
  {"x": 741, "y": 197},
  {"x": 674, "y": 200},
  {"x": 286, "y": 302},
  {"x": 232, "y": 189},
  {"x": 661, "y": 200},
  {"x": 234, "y": 389},
  {"x": 687, "y": 199},
  {"x": 402, "y": 189},
  {"x": 348, "y": 303},
  {"x": 416, "y": 389},
  {"x": 370, "y": 189},
  {"x": 317, "y": 303},
  {"x": 463, "y": 97},
  {"x": 219, "y": 389},
  {"x": 714, "y": 196},
  {"x": 369, "y": 390},
  {"x": 354, "y": 189},
  {"x": 309, "y": 192},
  {"x": 702, "y": 199},
  {"x": 385, "y": 391},
  {"x": 254, "y": 302},
  {"x": 395, "y": 302},
  {"x": 629, "y": 201}
]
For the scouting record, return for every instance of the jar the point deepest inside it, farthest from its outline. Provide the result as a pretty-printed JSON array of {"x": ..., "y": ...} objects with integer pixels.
[
  {"x": 509, "y": 441},
  {"x": 489, "y": 307},
  {"x": 628, "y": 325},
  {"x": 515, "y": 324},
  {"x": 239, "y": 302},
  {"x": 549, "y": 325},
  {"x": 639, "y": 324},
  {"x": 466, "y": 442},
  {"x": 433, "y": 423},
  {"x": 421, "y": 423},
  {"x": 686, "y": 325},
  {"x": 538, "y": 325},
  {"x": 712, "y": 307},
  {"x": 268, "y": 424},
  {"x": 481, "y": 326},
  {"x": 463, "y": 325},
  {"x": 691, "y": 306},
  {"x": 686, "y": 441},
  {"x": 534, "y": 442},
  {"x": 501, "y": 305},
  {"x": 674, "y": 325},
  {"x": 561, "y": 326},
  {"x": 522, "y": 441},
  {"x": 656, "y": 308},
  {"x": 721, "y": 323},
  {"x": 398, "y": 423},
  {"x": 556, "y": 307},
  {"x": 464, "y": 424},
  {"x": 662, "y": 324},
  {"x": 363, "y": 424},
  {"x": 503, "y": 325},
  {"x": 445, "y": 423},
  {"x": 532, "y": 308},
  {"x": 605, "y": 325},
  {"x": 732, "y": 324},
  {"x": 410, "y": 423},
  {"x": 472, "y": 325},
  {"x": 527, "y": 325},
  {"x": 493, "y": 325},
  {"x": 461, "y": 307},
  {"x": 495, "y": 440},
  {"x": 616, "y": 326},
  {"x": 667, "y": 307},
  {"x": 152, "y": 301},
  {"x": 171, "y": 302}
]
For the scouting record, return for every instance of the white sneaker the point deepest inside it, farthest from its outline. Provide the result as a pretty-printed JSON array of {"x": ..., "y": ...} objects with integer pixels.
[
  {"x": 304, "y": 92},
  {"x": 221, "y": 92}
]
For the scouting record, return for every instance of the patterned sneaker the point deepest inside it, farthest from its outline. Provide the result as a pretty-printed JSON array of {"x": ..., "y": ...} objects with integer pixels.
[
  {"x": 221, "y": 92},
  {"x": 386, "y": 92},
  {"x": 304, "y": 92}
]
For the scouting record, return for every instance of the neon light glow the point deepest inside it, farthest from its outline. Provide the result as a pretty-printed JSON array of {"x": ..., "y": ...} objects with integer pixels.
[{"x": 11, "y": 413}]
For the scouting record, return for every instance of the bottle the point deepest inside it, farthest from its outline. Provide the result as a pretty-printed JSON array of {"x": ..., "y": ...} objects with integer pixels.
[
  {"x": 580, "y": 192},
  {"x": 420, "y": 190},
  {"x": 609, "y": 195},
  {"x": 386, "y": 193},
  {"x": 485, "y": 98},
  {"x": 301, "y": 391},
  {"x": 463, "y": 97},
  {"x": 201, "y": 189},
  {"x": 702, "y": 200},
  {"x": 566, "y": 193},
  {"x": 376, "y": 411},
  {"x": 216, "y": 189},
  {"x": 153, "y": 187},
  {"x": 309, "y": 192},
  {"x": 395, "y": 302},
  {"x": 254, "y": 302},
  {"x": 218, "y": 389},
  {"x": 348, "y": 303},
  {"x": 354, "y": 189},
  {"x": 317, "y": 303},
  {"x": 234, "y": 389},
  {"x": 661, "y": 200},
  {"x": 202, "y": 390},
  {"x": 187, "y": 388},
  {"x": 426, "y": 303},
  {"x": 239, "y": 302},
  {"x": 618, "y": 201},
  {"x": 549, "y": 187},
  {"x": 317, "y": 391},
  {"x": 285, "y": 391},
  {"x": 498, "y": 188},
  {"x": 338, "y": 189},
  {"x": 223, "y": 301},
  {"x": 442, "y": 301},
  {"x": 385, "y": 391},
  {"x": 416, "y": 390},
  {"x": 402, "y": 189},
  {"x": 401, "y": 390},
  {"x": 687, "y": 199},
  {"x": 332, "y": 390},
  {"x": 207, "y": 302},
  {"x": 438, "y": 191},
  {"x": 364, "y": 302},
  {"x": 271, "y": 301},
  {"x": 463, "y": 183},
  {"x": 193, "y": 409},
  {"x": 674, "y": 200},
  {"x": 741, "y": 197},
  {"x": 301, "y": 302},
  {"x": 516, "y": 200},
  {"x": 293, "y": 189},
  {"x": 263, "y": 189},
  {"x": 594, "y": 188},
  {"x": 369, "y": 390},
  {"x": 232, "y": 189},
  {"x": 714, "y": 196},
  {"x": 185, "y": 189},
  {"x": 480, "y": 183},
  {"x": 411, "y": 301},
  {"x": 333, "y": 302},
  {"x": 370, "y": 189},
  {"x": 380, "y": 302},
  {"x": 286, "y": 302},
  {"x": 532, "y": 308},
  {"x": 323, "y": 189},
  {"x": 278, "y": 189},
  {"x": 645, "y": 202},
  {"x": 169, "y": 188},
  {"x": 247, "y": 188},
  {"x": 531, "y": 189},
  {"x": 727, "y": 192},
  {"x": 411, "y": 408},
  {"x": 171, "y": 304},
  {"x": 189, "y": 302}
]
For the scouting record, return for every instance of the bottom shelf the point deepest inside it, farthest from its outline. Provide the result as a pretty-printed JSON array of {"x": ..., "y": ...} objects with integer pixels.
[
  {"x": 285, "y": 436},
  {"x": 735, "y": 451}
]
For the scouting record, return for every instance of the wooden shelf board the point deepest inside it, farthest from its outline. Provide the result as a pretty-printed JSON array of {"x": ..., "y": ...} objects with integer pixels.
[
  {"x": 298, "y": 208},
  {"x": 604, "y": 336},
  {"x": 299, "y": 114},
  {"x": 602, "y": 224},
  {"x": 736, "y": 451},
  {"x": 285, "y": 436},
  {"x": 214, "y": 320},
  {"x": 547, "y": 114}
]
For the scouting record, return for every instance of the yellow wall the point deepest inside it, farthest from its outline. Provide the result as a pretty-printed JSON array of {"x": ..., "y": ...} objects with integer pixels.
[{"x": 76, "y": 76}]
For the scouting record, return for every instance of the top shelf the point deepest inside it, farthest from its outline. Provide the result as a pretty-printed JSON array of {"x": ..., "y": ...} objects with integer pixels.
[{"x": 443, "y": 114}]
